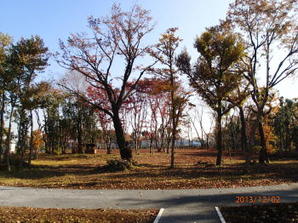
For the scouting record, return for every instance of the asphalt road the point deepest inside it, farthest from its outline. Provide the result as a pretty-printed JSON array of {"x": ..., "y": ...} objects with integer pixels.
[{"x": 180, "y": 205}]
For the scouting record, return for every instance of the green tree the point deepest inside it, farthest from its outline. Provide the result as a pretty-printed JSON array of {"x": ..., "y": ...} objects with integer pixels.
[
  {"x": 215, "y": 75},
  {"x": 50, "y": 103},
  {"x": 5, "y": 41},
  {"x": 28, "y": 58},
  {"x": 34, "y": 100},
  {"x": 285, "y": 123},
  {"x": 81, "y": 119}
]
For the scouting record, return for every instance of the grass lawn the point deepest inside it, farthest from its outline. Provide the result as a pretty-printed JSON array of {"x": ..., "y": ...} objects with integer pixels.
[
  {"x": 194, "y": 169},
  {"x": 273, "y": 213},
  {"x": 13, "y": 215}
]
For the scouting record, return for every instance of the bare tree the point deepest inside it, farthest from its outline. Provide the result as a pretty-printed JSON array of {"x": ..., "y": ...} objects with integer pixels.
[
  {"x": 165, "y": 53},
  {"x": 271, "y": 31},
  {"x": 115, "y": 39}
]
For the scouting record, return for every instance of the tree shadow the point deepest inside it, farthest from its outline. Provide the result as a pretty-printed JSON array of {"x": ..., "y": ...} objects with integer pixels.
[
  {"x": 193, "y": 199},
  {"x": 282, "y": 172},
  {"x": 190, "y": 205},
  {"x": 43, "y": 171}
]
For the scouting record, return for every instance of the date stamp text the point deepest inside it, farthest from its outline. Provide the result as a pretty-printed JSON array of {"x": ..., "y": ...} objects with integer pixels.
[{"x": 257, "y": 199}]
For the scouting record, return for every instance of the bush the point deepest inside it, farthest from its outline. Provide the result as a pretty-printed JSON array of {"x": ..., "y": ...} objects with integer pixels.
[
  {"x": 256, "y": 149},
  {"x": 118, "y": 165}
]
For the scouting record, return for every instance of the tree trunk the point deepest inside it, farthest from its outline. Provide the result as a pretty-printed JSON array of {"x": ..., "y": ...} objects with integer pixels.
[
  {"x": 2, "y": 124},
  {"x": 218, "y": 139},
  {"x": 150, "y": 144},
  {"x": 173, "y": 148},
  {"x": 174, "y": 126},
  {"x": 79, "y": 138},
  {"x": 168, "y": 145},
  {"x": 207, "y": 142},
  {"x": 281, "y": 141},
  {"x": 107, "y": 141},
  {"x": 157, "y": 146},
  {"x": 263, "y": 155},
  {"x": 244, "y": 145},
  {"x": 79, "y": 132},
  {"x": 173, "y": 153},
  {"x": 288, "y": 138},
  {"x": 162, "y": 140},
  {"x": 173, "y": 139},
  {"x": 45, "y": 136},
  {"x": 125, "y": 150},
  {"x": 8, "y": 139},
  {"x": 31, "y": 139},
  {"x": 109, "y": 150},
  {"x": 22, "y": 134}
]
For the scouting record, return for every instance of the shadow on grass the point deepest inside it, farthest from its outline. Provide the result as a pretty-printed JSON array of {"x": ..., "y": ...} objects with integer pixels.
[
  {"x": 62, "y": 157},
  {"x": 90, "y": 185},
  {"x": 231, "y": 172},
  {"x": 102, "y": 176},
  {"x": 39, "y": 172},
  {"x": 147, "y": 165}
]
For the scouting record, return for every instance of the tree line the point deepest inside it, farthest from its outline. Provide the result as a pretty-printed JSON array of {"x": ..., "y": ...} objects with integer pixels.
[{"x": 239, "y": 63}]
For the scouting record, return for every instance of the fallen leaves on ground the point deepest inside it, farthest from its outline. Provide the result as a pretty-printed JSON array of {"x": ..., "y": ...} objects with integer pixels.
[
  {"x": 273, "y": 213},
  {"x": 194, "y": 169},
  {"x": 34, "y": 215}
]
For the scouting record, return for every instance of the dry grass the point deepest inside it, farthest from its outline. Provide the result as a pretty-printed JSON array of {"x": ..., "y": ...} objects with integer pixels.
[
  {"x": 194, "y": 169},
  {"x": 28, "y": 215}
]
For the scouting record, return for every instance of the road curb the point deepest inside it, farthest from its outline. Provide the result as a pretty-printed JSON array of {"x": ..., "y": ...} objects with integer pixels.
[
  {"x": 159, "y": 215},
  {"x": 222, "y": 220}
]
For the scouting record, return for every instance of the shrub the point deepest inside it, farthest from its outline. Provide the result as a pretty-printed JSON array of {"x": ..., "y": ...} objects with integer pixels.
[
  {"x": 256, "y": 149},
  {"x": 118, "y": 165}
]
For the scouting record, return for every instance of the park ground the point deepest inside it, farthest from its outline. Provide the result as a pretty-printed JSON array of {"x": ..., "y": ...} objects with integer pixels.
[
  {"x": 195, "y": 169},
  {"x": 47, "y": 215}
]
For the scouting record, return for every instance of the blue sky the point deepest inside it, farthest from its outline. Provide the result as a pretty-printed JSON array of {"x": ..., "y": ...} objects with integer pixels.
[
  {"x": 53, "y": 19},
  {"x": 56, "y": 19}
]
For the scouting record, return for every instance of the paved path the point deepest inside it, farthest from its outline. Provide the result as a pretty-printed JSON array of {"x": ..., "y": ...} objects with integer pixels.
[{"x": 180, "y": 205}]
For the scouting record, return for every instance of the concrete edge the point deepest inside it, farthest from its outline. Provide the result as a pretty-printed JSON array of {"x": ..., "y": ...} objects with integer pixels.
[
  {"x": 159, "y": 215},
  {"x": 222, "y": 220}
]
